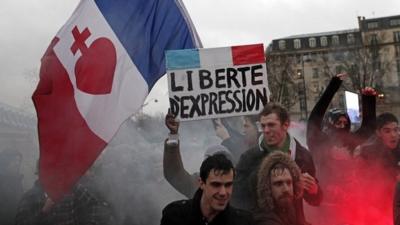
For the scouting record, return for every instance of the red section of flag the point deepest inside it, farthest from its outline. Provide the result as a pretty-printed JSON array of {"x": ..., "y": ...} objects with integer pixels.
[
  {"x": 67, "y": 146},
  {"x": 95, "y": 68},
  {"x": 248, "y": 54}
]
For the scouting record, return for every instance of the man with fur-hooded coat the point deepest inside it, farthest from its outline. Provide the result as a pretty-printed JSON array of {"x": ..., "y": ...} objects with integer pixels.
[{"x": 278, "y": 187}]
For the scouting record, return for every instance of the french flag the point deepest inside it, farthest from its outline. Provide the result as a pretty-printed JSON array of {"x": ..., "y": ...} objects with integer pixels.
[
  {"x": 95, "y": 74},
  {"x": 223, "y": 56}
]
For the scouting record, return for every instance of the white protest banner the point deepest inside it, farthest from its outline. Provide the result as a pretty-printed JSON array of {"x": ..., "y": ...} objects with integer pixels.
[{"x": 217, "y": 82}]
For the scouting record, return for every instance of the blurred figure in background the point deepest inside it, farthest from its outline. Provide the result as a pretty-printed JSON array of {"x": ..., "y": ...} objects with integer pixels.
[
  {"x": 332, "y": 143},
  {"x": 237, "y": 142},
  {"x": 385, "y": 148},
  {"x": 81, "y": 206},
  {"x": 10, "y": 184}
]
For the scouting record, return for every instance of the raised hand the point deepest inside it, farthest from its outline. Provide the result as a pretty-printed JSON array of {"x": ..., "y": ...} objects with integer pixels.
[
  {"x": 171, "y": 123},
  {"x": 369, "y": 91}
]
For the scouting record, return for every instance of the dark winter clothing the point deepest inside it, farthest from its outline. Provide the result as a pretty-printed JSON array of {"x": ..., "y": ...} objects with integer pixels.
[
  {"x": 376, "y": 157},
  {"x": 236, "y": 146},
  {"x": 10, "y": 194},
  {"x": 376, "y": 151},
  {"x": 336, "y": 171},
  {"x": 268, "y": 210},
  {"x": 186, "y": 212},
  {"x": 396, "y": 205},
  {"x": 377, "y": 169},
  {"x": 272, "y": 218},
  {"x": 318, "y": 141},
  {"x": 78, "y": 208},
  {"x": 244, "y": 193}
]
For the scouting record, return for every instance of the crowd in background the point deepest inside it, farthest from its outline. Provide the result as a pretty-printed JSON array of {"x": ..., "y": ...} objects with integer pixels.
[{"x": 349, "y": 174}]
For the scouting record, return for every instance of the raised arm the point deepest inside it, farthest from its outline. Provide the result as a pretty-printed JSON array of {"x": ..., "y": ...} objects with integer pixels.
[
  {"x": 368, "y": 102},
  {"x": 174, "y": 172},
  {"x": 314, "y": 131}
]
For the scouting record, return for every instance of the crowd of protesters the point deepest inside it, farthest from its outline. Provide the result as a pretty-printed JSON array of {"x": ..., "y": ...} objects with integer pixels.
[
  {"x": 262, "y": 175},
  {"x": 348, "y": 174}
]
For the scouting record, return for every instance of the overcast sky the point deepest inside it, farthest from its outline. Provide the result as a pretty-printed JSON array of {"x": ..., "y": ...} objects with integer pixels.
[{"x": 27, "y": 27}]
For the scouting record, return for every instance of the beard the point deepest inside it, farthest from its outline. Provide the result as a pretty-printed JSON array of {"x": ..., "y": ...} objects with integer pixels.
[
  {"x": 286, "y": 210},
  {"x": 284, "y": 201}
]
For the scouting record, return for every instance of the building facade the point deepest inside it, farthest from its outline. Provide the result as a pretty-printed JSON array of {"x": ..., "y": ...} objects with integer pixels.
[{"x": 300, "y": 66}]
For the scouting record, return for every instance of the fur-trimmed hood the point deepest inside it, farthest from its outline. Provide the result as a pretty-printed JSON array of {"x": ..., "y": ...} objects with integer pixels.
[{"x": 264, "y": 193}]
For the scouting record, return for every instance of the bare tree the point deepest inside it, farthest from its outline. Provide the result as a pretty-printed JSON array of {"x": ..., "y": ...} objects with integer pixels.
[
  {"x": 281, "y": 74},
  {"x": 364, "y": 62}
]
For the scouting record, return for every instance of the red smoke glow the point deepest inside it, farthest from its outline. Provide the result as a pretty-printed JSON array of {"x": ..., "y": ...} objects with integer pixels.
[{"x": 362, "y": 196}]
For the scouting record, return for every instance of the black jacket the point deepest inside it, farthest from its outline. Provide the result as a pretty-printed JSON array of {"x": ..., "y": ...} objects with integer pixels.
[
  {"x": 374, "y": 157},
  {"x": 244, "y": 188},
  {"x": 333, "y": 171},
  {"x": 81, "y": 206},
  {"x": 272, "y": 218},
  {"x": 318, "y": 141},
  {"x": 396, "y": 205},
  {"x": 187, "y": 212}
]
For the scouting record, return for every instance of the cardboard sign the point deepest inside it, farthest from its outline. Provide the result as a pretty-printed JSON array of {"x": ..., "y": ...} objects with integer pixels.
[{"x": 217, "y": 82}]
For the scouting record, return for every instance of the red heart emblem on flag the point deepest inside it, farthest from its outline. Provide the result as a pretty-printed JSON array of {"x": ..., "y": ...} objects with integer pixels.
[{"x": 94, "y": 70}]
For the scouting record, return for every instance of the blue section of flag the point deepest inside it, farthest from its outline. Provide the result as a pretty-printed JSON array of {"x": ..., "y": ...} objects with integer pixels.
[
  {"x": 182, "y": 59},
  {"x": 147, "y": 28}
]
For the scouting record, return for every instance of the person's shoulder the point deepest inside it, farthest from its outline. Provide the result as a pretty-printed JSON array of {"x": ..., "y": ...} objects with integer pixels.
[
  {"x": 301, "y": 149},
  {"x": 370, "y": 150},
  {"x": 303, "y": 155},
  {"x": 252, "y": 150},
  {"x": 266, "y": 217},
  {"x": 177, "y": 207},
  {"x": 177, "y": 212},
  {"x": 240, "y": 212},
  {"x": 249, "y": 156},
  {"x": 241, "y": 216}
]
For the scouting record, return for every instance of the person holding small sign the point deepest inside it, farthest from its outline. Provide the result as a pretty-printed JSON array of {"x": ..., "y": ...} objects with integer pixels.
[{"x": 174, "y": 172}]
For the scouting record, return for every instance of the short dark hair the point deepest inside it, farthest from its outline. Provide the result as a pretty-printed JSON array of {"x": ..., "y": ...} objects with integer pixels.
[
  {"x": 278, "y": 109},
  {"x": 218, "y": 162},
  {"x": 384, "y": 119}
]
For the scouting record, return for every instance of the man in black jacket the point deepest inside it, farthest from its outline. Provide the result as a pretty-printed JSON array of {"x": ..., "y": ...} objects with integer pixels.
[
  {"x": 274, "y": 122},
  {"x": 384, "y": 150},
  {"x": 210, "y": 204},
  {"x": 332, "y": 143},
  {"x": 378, "y": 166}
]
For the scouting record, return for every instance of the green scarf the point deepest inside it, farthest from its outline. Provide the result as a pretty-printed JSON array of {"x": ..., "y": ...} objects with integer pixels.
[{"x": 285, "y": 147}]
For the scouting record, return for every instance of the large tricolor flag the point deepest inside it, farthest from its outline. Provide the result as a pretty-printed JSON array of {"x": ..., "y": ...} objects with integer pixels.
[{"x": 95, "y": 74}]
